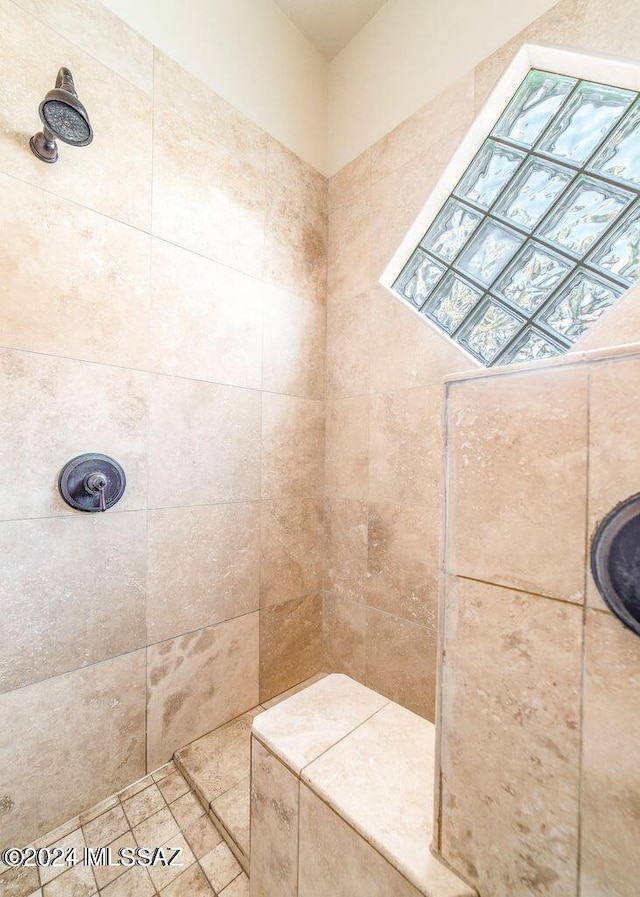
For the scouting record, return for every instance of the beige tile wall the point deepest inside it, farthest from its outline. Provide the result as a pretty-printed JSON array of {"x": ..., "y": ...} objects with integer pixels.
[
  {"x": 384, "y": 468},
  {"x": 539, "y": 699},
  {"x": 163, "y": 301}
]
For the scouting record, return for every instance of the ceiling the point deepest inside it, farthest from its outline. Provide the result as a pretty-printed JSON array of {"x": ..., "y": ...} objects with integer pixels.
[{"x": 329, "y": 24}]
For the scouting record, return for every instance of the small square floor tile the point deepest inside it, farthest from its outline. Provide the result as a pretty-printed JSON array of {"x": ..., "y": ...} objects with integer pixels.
[
  {"x": 220, "y": 867},
  {"x": 173, "y": 786},
  {"x": 202, "y": 836},
  {"x": 187, "y": 809},
  {"x": 144, "y": 804}
]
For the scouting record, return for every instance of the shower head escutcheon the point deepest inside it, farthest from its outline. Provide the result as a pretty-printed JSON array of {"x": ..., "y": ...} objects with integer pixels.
[{"x": 64, "y": 118}]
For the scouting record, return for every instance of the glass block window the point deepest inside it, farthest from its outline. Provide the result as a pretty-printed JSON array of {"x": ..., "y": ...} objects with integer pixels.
[{"x": 542, "y": 233}]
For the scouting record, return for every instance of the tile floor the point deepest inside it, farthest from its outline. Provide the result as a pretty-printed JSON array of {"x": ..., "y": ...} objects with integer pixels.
[
  {"x": 160, "y": 809},
  {"x": 164, "y": 809}
]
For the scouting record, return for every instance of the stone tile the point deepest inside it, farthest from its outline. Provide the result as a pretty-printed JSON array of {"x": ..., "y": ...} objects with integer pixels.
[
  {"x": 405, "y": 445},
  {"x": 173, "y": 786},
  {"x": 78, "y": 881},
  {"x": 68, "y": 834},
  {"x": 220, "y": 867},
  {"x": 186, "y": 809},
  {"x": 295, "y": 247},
  {"x": 98, "y": 809},
  {"x": 100, "y": 33},
  {"x": 274, "y": 825},
  {"x": 398, "y": 198},
  {"x": 293, "y": 344},
  {"x": 20, "y": 882},
  {"x": 163, "y": 771},
  {"x": 610, "y": 778},
  {"x": 35, "y": 445},
  {"x": 517, "y": 465},
  {"x": 349, "y": 235},
  {"x": 106, "y": 702},
  {"x": 450, "y": 110},
  {"x": 613, "y": 467},
  {"x": 219, "y": 760},
  {"x": 380, "y": 780},
  {"x": 239, "y": 887},
  {"x": 511, "y": 679},
  {"x": 162, "y": 876},
  {"x": 134, "y": 883},
  {"x": 418, "y": 354},
  {"x": 292, "y": 446},
  {"x": 232, "y": 809},
  {"x": 106, "y": 874},
  {"x": 290, "y": 644},
  {"x": 199, "y": 681},
  {"x": 350, "y": 180},
  {"x": 101, "y": 562},
  {"x": 202, "y": 836},
  {"x": 347, "y": 447},
  {"x": 192, "y": 882},
  {"x": 401, "y": 661},
  {"x": 345, "y": 547},
  {"x": 74, "y": 841},
  {"x": 217, "y": 209},
  {"x": 344, "y": 627},
  {"x": 290, "y": 171},
  {"x": 209, "y": 437},
  {"x": 106, "y": 828},
  {"x": 348, "y": 356},
  {"x": 204, "y": 567},
  {"x": 58, "y": 309},
  {"x": 205, "y": 320},
  {"x": 404, "y": 561},
  {"x": 136, "y": 788},
  {"x": 182, "y": 94},
  {"x": 335, "y": 860},
  {"x": 301, "y": 728},
  {"x": 291, "y": 546},
  {"x": 156, "y": 829},
  {"x": 143, "y": 805},
  {"x": 113, "y": 174},
  {"x": 266, "y": 705}
]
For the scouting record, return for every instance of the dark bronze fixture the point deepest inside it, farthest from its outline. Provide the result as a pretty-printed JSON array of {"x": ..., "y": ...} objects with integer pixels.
[
  {"x": 615, "y": 561},
  {"x": 92, "y": 482},
  {"x": 64, "y": 118}
]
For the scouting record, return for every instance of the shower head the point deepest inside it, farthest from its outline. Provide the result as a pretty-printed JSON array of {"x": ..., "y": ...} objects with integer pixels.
[{"x": 64, "y": 118}]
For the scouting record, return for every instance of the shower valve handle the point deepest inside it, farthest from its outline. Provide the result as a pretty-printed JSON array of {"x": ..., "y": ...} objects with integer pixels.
[{"x": 95, "y": 484}]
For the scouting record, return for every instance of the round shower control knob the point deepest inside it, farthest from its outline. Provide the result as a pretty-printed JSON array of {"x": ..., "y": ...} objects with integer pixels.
[{"x": 92, "y": 482}]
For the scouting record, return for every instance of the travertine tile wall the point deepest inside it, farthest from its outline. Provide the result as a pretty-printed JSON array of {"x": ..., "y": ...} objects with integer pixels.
[
  {"x": 163, "y": 301},
  {"x": 384, "y": 467},
  {"x": 540, "y": 706}
]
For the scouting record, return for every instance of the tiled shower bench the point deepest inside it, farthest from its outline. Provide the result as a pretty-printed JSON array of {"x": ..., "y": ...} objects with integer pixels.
[{"x": 342, "y": 798}]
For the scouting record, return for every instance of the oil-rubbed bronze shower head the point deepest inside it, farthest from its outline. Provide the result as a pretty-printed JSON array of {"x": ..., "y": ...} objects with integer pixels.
[{"x": 64, "y": 118}]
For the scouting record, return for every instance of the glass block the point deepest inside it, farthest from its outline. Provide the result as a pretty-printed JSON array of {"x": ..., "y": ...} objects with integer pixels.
[
  {"x": 583, "y": 214},
  {"x": 418, "y": 278},
  {"x": 450, "y": 230},
  {"x": 532, "y": 192},
  {"x": 583, "y": 123},
  {"x": 536, "y": 101},
  {"x": 489, "y": 251},
  {"x": 619, "y": 254},
  {"x": 488, "y": 173},
  {"x": 451, "y": 302},
  {"x": 532, "y": 277},
  {"x": 619, "y": 158},
  {"x": 489, "y": 331},
  {"x": 531, "y": 346},
  {"x": 579, "y": 305}
]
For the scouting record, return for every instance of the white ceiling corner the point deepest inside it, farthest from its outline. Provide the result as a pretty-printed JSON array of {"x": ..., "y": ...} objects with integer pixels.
[{"x": 329, "y": 24}]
